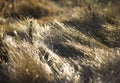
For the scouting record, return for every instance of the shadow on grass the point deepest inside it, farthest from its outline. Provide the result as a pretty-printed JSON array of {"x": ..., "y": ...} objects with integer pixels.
[
  {"x": 67, "y": 51},
  {"x": 24, "y": 10},
  {"x": 93, "y": 27}
]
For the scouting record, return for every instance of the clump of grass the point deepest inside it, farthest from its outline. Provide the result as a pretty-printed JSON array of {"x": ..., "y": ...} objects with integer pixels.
[{"x": 33, "y": 60}]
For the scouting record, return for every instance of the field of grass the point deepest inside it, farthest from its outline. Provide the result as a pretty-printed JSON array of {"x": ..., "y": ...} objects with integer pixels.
[{"x": 59, "y": 41}]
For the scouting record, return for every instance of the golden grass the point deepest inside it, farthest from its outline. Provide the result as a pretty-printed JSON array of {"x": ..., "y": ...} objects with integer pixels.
[
  {"x": 49, "y": 41},
  {"x": 37, "y": 62}
]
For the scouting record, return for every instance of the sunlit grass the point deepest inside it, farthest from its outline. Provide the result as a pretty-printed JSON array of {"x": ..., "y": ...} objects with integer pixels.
[{"x": 73, "y": 42}]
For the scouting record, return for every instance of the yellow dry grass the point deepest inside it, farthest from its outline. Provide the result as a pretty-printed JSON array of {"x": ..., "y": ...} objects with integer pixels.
[{"x": 49, "y": 41}]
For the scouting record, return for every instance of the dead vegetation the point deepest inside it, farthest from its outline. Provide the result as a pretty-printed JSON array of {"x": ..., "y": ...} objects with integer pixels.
[{"x": 57, "y": 41}]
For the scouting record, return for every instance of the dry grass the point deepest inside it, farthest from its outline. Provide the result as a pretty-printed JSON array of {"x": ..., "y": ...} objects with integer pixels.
[
  {"x": 33, "y": 60},
  {"x": 50, "y": 41}
]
